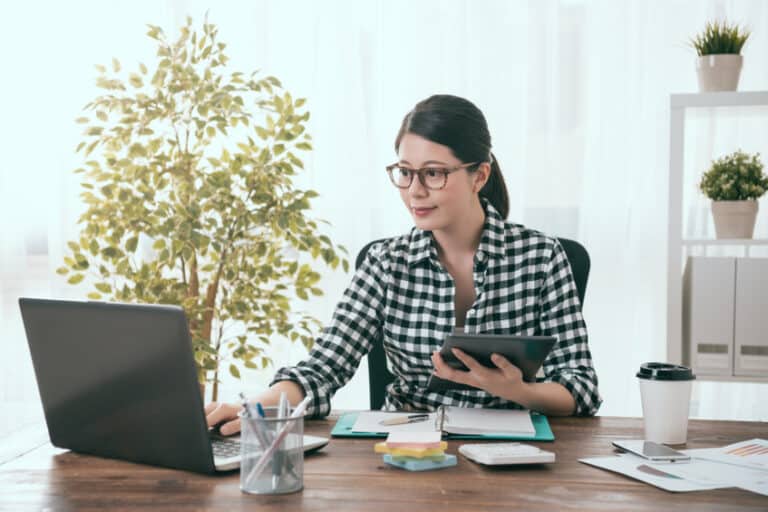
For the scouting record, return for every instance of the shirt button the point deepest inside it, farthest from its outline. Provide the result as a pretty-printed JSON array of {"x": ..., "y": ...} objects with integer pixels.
[
  {"x": 480, "y": 255},
  {"x": 471, "y": 311}
]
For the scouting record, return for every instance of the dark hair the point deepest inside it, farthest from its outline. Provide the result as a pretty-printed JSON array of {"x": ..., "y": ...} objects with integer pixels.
[{"x": 458, "y": 124}]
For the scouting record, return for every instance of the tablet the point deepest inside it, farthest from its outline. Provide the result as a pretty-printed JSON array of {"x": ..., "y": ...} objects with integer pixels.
[{"x": 525, "y": 352}]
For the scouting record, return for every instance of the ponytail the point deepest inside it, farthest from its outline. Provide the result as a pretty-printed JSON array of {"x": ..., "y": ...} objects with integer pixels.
[{"x": 495, "y": 190}]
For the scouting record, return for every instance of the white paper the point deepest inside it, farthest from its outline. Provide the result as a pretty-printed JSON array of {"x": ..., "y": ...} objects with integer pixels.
[
  {"x": 641, "y": 469},
  {"x": 707, "y": 471},
  {"x": 462, "y": 420},
  {"x": 370, "y": 421},
  {"x": 752, "y": 454}
]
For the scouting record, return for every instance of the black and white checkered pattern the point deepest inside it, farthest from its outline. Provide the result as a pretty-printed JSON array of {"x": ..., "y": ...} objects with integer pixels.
[{"x": 402, "y": 293}]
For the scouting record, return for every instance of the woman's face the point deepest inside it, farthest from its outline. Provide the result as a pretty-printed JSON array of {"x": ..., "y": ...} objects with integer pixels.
[{"x": 438, "y": 209}]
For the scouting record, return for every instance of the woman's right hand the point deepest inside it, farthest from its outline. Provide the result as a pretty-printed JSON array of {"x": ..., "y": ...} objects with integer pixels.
[{"x": 224, "y": 416}]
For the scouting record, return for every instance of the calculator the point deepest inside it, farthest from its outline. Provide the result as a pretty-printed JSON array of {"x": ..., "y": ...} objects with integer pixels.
[{"x": 493, "y": 454}]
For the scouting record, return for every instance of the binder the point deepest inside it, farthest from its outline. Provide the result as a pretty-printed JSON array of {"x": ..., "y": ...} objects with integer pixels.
[
  {"x": 346, "y": 422},
  {"x": 751, "y": 319},
  {"x": 708, "y": 314}
]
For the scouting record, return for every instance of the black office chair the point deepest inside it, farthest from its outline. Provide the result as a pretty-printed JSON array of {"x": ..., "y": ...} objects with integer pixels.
[{"x": 378, "y": 374}]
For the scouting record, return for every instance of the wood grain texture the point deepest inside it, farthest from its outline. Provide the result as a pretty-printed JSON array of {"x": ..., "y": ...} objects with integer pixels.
[{"x": 348, "y": 475}]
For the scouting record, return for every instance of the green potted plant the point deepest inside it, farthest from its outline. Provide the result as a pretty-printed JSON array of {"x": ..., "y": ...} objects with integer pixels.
[
  {"x": 188, "y": 184},
  {"x": 719, "y": 55},
  {"x": 734, "y": 183}
]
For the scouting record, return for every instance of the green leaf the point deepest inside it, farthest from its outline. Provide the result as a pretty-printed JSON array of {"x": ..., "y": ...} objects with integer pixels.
[
  {"x": 135, "y": 80},
  {"x": 76, "y": 278},
  {"x": 94, "y": 296},
  {"x": 115, "y": 65},
  {"x": 103, "y": 287},
  {"x": 234, "y": 371},
  {"x": 62, "y": 271}
]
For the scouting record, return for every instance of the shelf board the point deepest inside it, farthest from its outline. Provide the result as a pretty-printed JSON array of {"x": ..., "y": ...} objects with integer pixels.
[
  {"x": 720, "y": 99},
  {"x": 724, "y": 241},
  {"x": 730, "y": 378}
]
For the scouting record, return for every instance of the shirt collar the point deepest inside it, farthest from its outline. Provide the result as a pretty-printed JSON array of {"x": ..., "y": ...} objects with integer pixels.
[{"x": 422, "y": 246}]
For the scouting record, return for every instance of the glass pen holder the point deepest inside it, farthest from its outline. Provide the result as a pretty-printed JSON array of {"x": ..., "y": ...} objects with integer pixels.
[{"x": 272, "y": 453}]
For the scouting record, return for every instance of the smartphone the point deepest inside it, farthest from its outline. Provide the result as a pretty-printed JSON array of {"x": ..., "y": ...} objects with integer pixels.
[{"x": 651, "y": 451}]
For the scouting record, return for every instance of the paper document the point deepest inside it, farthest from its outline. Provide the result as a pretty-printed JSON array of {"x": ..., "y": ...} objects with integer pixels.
[
  {"x": 461, "y": 420},
  {"x": 752, "y": 453},
  {"x": 454, "y": 420},
  {"x": 371, "y": 421},
  {"x": 742, "y": 465},
  {"x": 650, "y": 473}
]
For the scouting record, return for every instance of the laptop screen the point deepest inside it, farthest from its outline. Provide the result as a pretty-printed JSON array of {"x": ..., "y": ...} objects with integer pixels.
[{"x": 119, "y": 380}]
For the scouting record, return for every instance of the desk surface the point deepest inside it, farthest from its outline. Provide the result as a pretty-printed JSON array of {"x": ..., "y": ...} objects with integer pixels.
[{"x": 348, "y": 475}]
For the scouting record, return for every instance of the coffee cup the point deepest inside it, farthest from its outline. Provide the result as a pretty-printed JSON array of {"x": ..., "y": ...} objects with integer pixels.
[{"x": 665, "y": 391}]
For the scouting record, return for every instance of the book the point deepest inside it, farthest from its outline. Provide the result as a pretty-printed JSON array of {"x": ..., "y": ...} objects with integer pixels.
[{"x": 453, "y": 422}]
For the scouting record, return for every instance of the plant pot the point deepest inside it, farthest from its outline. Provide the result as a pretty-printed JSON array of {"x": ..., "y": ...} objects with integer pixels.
[
  {"x": 719, "y": 72},
  {"x": 734, "y": 219}
]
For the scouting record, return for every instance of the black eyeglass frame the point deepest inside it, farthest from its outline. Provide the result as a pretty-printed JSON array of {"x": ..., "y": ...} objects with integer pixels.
[{"x": 445, "y": 171}]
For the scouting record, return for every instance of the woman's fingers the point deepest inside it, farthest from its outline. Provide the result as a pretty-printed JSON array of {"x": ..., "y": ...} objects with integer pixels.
[
  {"x": 444, "y": 371},
  {"x": 221, "y": 414},
  {"x": 509, "y": 370},
  {"x": 233, "y": 427}
]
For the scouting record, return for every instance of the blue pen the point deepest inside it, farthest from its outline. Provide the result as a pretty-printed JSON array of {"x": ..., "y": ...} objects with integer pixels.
[{"x": 260, "y": 409}]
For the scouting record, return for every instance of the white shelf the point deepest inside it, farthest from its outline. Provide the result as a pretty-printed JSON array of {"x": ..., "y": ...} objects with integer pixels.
[
  {"x": 724, "y": 241},
  {"x": 678, "y": 245},
  {"x": 729, "y": 378},
  {"x": 720, "y": 99}
]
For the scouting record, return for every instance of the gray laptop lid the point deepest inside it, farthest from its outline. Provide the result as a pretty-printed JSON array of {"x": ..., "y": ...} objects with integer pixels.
[{"x": 119, "y": 381}]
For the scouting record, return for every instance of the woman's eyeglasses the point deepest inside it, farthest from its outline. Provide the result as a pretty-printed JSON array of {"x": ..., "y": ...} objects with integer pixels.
[{"x": 433, "y": 178}]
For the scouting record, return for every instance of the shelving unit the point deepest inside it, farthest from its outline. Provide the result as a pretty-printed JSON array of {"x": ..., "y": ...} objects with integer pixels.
[{"x": 679, "y": 104}]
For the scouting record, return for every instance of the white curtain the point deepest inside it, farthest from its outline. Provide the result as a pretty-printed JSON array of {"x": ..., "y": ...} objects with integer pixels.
[{"x": 576, "y": 94}]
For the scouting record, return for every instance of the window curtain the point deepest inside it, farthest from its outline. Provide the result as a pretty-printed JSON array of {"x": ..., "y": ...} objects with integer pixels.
[{"x": 576, "y": 94}]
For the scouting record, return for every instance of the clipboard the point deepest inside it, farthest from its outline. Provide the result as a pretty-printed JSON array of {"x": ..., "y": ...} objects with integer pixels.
[{"x": 346, "y": 423}]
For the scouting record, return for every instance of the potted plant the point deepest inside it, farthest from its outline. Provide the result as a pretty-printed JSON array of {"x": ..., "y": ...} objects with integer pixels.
[
  {"x": 188, "y": 185},
  {"x": 734, "y": 183},
  {"x": 720, "y": 61}
]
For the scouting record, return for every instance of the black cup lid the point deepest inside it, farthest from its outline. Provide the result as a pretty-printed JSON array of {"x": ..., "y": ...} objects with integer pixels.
[{"x": 665, "y": 371}]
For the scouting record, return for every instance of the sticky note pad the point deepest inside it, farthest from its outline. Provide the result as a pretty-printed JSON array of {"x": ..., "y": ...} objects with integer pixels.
[
  {"x": 410, "y": 452},
  {"x": 421, "y": 464},
  {"x": 414, "y": 440}
]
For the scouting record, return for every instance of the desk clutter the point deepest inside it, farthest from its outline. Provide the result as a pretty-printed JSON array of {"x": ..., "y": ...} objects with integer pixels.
[
  {"x": 415, "y": 451},
  {"x": 743, "y": 465}
]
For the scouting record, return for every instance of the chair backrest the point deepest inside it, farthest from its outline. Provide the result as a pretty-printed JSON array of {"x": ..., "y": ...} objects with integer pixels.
[{"x": 378, "y": 374}]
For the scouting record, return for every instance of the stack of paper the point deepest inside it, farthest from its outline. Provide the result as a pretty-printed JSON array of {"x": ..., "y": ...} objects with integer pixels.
[
  {"x": 743, "y": 465},
  {"x": 415, "y": 451}
]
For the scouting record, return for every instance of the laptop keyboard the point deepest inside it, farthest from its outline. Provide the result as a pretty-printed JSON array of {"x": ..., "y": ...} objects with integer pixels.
[{"x": 225, "y": 447}]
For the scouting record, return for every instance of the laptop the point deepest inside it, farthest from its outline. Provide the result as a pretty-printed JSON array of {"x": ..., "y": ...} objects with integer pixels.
[{"x": 120, "y": 381}]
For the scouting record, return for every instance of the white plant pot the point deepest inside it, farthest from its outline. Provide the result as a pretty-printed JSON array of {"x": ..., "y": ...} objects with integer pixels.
[
  {"x": 719, "y": 72},
  {"x": 734, "y": 219}
]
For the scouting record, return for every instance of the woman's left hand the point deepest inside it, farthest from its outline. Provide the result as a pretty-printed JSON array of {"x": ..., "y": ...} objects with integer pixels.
[{"x": 504, "y": 381}]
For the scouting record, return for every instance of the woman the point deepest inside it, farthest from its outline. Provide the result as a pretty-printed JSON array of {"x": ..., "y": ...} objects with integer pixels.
[{"x": 461, "y": 267}]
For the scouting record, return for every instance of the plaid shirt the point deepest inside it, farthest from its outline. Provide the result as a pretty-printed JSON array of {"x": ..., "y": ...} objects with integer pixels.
[{"x": 402, "y": 294}]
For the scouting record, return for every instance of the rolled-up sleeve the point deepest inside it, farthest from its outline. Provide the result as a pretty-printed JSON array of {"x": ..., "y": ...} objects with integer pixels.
[
  {"x": 570, "y": 361},
  {"x": 337, "y": 352}
]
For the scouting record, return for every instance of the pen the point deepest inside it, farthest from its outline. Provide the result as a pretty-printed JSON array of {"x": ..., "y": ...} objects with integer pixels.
[{"x": 402, "y": 420}]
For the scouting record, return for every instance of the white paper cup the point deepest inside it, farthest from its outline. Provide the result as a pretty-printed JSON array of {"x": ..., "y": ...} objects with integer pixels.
[{"x": 665, "y": 391}]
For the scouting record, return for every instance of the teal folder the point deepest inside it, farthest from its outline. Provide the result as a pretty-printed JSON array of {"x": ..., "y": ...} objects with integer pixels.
[{"x": 346, "y": 422}]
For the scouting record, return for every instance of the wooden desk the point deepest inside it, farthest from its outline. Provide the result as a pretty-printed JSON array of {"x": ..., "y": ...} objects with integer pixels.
[{"x": 347, "y": 475}]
